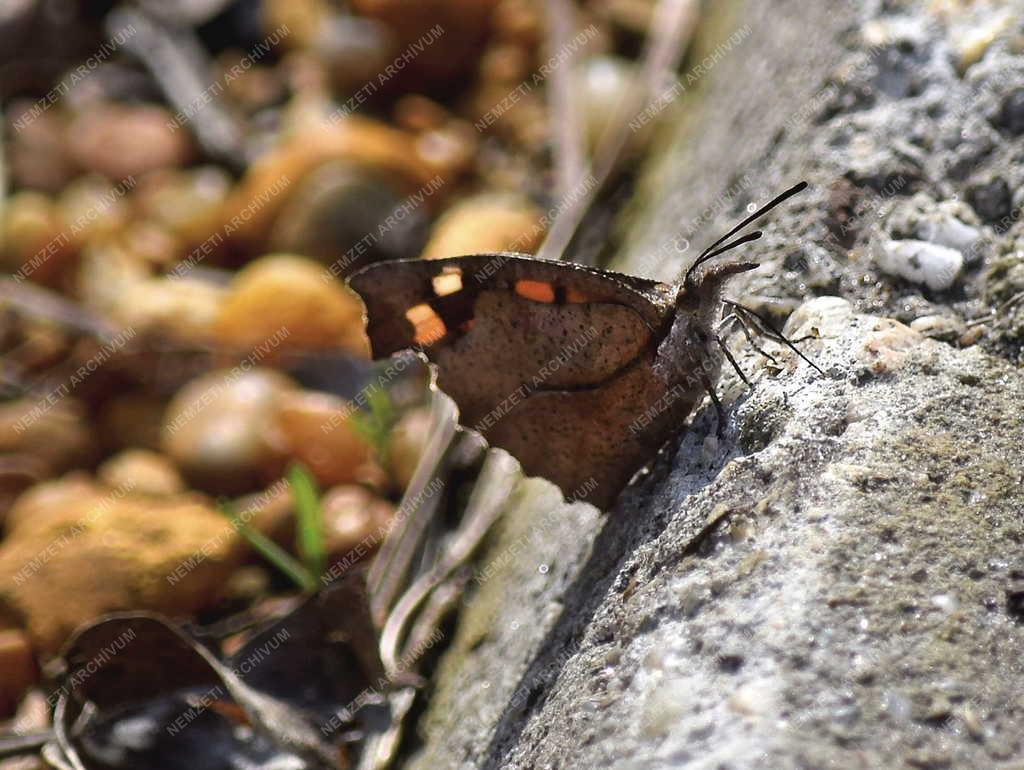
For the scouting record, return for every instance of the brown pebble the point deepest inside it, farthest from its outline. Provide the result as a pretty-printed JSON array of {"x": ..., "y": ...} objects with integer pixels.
[
  {"x": 76, "y": 550},
  {"x": 141, "y": 471},
  {"x": 57, "y": 436},
  {"x": 291, "y": 303},
  {"x": 121, "y": 141},
  {"x": 318, "y": 431},
  {"x": 254, "y": 204},
  {"x": 185, "y": 202},
  {"x": 972, "y": 335},
  {"x": 418, "y": 113},
  {"x": 449, "y": 150},
  {"x": 35, "y": 245},
  {"x": 37, "y": 148},
  {"x": 117, "y": 284},
  {"x": 484, "y": 223},
  {"x": 442, "y": 56},
  {"x": 302, "y": 19},
  {"x": 219, "y": 429},
  {"x": 506, "y": 63},
  {"x": 355, "y": 520},
  {"x": 520, "y": 21},
  {"x": 18, "y": 669},
  {"x": 247, "y": 583},
  {"x": 154, "y": 245},
  {"x": 92, "y": 207},
  {"x": 338, "y": 214}
]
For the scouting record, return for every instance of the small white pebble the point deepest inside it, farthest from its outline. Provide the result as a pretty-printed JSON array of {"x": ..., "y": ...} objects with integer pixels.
[
  {"x": 944, "y": 229},
  {"x": 934, "y": 326},
  {"x": 946, "y": 602},
  {"x": 937, "y": 267},
  {"x": 897, "y": 705},
  {"x": 665, "y": 707},
  {"x": 972, "y": 722},
  {"x": 752, "y": 699}
]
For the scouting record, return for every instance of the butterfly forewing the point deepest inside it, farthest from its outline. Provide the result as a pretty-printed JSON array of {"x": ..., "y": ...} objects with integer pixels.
[
  {"x": 548, "y": 360},
  {"x": 448, "y": 288}
]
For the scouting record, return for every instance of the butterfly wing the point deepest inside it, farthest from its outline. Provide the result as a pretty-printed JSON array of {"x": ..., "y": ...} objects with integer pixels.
[
  {"x": 548, "y": 360},
  {"x": 396, "y": 289}
]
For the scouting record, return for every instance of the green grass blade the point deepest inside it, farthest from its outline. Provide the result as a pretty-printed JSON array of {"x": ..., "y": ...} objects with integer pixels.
[
  {"x": 374, "y": 423},
  {"x": 309, "y": 524},
  {"x": 272, "y": 552}
]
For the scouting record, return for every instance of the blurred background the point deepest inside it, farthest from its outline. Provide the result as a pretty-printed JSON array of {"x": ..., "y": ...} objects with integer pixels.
[{"x": 185, "y": 186}]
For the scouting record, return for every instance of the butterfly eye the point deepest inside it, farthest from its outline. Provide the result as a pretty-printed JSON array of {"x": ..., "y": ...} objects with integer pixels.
[
  {"x": 538, "y": 291},
  {"x": 429, "y": 326},
  {"x": 447, "y": 283}
]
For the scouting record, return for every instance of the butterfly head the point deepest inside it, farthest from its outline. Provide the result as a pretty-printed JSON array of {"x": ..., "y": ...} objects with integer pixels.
[
  {"x": 689, "y": 344},
  {"x": 702, "y": 288}
]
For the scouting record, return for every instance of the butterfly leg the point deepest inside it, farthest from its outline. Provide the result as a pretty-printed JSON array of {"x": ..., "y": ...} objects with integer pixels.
[
  {"x": 719, "y": 410},
  {"x": 766, "y": 328},
  {"x": 738, "y": 320},
  {"x": 731, "y": 360}
]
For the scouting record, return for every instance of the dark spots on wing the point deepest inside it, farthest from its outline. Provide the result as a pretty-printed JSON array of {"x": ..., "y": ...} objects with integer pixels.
[{"x": 455, "y": 309}]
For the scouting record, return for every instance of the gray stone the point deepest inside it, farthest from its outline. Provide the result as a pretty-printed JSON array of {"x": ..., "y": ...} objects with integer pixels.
[
  {"x": 837, "y": 582},
  {"x": 834, "y": 588}
]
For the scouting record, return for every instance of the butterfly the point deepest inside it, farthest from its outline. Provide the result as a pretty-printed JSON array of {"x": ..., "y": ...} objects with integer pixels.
[{"x": 581, "y": 374}]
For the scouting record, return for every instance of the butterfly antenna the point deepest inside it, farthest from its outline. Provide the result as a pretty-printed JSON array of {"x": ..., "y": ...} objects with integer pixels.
[
  {"x": 713, "y": 250},
  {"x": 730, "y": 246}
]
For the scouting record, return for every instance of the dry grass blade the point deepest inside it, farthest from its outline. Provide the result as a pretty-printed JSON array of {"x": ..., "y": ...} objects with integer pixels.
[
  {"x": 180, "y": 65},
  {"x": 564, "y": 101},
  {"x": 492, "y": 490},
  {"x": 671, "y": 31},
  {"x": 37, "y": 302},
  {"x": 388, "y": 575}
]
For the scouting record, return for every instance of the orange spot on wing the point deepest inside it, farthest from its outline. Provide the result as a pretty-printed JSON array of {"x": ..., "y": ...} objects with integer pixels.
[
  {"x": 429, "y": 326},
  {"x": 575, "y": 296},
  {"x": 538, "y": 291}
]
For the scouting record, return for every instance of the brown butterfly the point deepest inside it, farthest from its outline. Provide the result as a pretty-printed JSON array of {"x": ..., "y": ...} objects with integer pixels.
[{"x": 581, "y": 374}]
